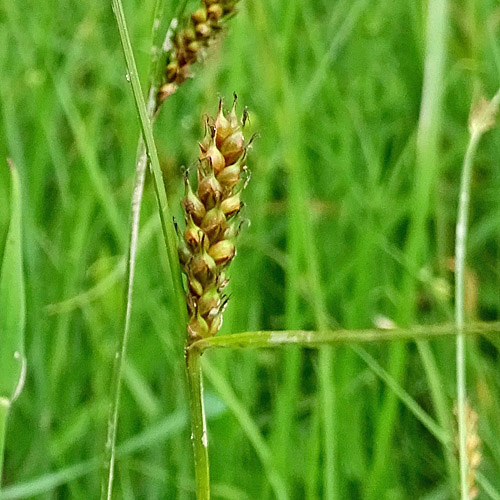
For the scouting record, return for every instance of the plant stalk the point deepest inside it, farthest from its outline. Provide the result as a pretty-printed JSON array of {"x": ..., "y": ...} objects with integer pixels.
[
  {"x": 146, "y": 150},
  {"x": 199, "y": 434},
  {"x": 460, "y": 252},
  {"x": 314, "y": 339},
  {"x": 121, "y": 350},
  {"x": 4, "y": 410},
  {"x": 163, "y": 206}
]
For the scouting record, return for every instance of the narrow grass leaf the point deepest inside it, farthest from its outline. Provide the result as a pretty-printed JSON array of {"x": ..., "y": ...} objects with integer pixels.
[
  {"x": 168, "y": 233},
  {"x": 12, "y": 302},
  {"x": 250, "y": 428},
  {"x": 12, "y": 312},
  {"x": 481, "y": 119},
  {"x": 146, "y": 126}
]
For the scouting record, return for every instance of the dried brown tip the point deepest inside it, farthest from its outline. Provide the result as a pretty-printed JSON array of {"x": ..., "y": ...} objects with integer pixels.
[{"x": 483, "y": 115}]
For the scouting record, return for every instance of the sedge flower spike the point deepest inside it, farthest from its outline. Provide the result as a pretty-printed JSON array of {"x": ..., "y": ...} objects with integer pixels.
[
  {"x": 188, "y": 44},
  {"x": 207, "y": 246}
]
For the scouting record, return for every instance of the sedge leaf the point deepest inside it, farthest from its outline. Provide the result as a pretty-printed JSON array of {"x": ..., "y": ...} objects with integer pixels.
[{"x": 12, "y": 301}]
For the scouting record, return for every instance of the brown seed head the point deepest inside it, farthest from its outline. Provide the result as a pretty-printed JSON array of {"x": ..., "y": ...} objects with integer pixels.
[
  {"x": 193, "y": 236},
  {"x": 203, "y": 30},
  {"x": 233, "y": 147},
  {"x": 197, "y": 33},
  {"x": 202, "y": 268},
  {"x": 222, "y": 126},
  {"x": 214, "y": 223},
  {"x": 208, "y": 301},
  {"x": 214, "y": 154},
  {"x": 172, "y": 69},
  {"x": 230, "y": 176},
  {"x": 208, "y": 241},
  {"x": 187, "y": 36},
  {"x": 215, "y": 325},
  {"x": 197, "y": 328}
]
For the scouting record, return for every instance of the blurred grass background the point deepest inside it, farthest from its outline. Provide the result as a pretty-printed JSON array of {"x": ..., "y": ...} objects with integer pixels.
[{"x": 352, "y": 217}]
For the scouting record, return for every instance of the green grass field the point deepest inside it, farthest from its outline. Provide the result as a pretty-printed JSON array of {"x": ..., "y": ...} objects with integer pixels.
[{"x": 352, "y": 202}]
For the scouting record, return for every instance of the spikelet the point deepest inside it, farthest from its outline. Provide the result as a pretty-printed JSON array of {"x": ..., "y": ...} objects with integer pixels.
[
  {"x": 483, "y": 115},
  {"x": 207, "y": 246},
  {"x": 188, "y": 43},
  {"x": 473, "y": 449}
]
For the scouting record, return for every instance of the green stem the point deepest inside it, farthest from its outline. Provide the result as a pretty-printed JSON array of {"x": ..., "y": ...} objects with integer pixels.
[
  {"x": 146, "y": 149},
  {"x": 460, "y": 250},
  {"x": 161, "y": 196},
  {"x": 198, "y": 424},
  {"x": 4, "y": 410},
  {"x": 480, "y": 121},
  {"x": 307, "y": 338}
]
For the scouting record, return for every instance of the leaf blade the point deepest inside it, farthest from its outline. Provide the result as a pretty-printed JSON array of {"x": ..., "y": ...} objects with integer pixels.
[{"x": 12, "y": 300}]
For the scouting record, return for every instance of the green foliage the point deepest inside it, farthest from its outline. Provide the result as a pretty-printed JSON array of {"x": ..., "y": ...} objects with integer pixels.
[
  {"x": 12, "y": 313},
  {"x": 334, "y": 89},
  {"x": 12, "y": 306}
]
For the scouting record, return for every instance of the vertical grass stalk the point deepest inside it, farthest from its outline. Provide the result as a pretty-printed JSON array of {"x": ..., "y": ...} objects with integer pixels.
[
  {"x": 198, "y": 424},
  {"x": 481, "y": 119},
  {"x": 118, "y": 366},
  {"x": 460, "y": 242},
  {"x": 167, "y": 229},
  {"x": 135, "y": 211},
  {"x": 161, "y": 196}
]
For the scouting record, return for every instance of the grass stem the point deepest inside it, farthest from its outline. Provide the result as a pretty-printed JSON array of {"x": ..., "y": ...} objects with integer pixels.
[
  {"x": 313, "y": 339},
  {"x": 460, "y": 251},
  {"x": 481, "y": 119},
  {"x": 198, "y": 424},
  {"x": 163, "y": 206},
  {"x": 146, "y": 150}
]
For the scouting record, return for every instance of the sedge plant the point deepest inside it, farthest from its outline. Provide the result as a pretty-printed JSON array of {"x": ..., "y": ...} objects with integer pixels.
[{"x": 303, "y": 55}]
